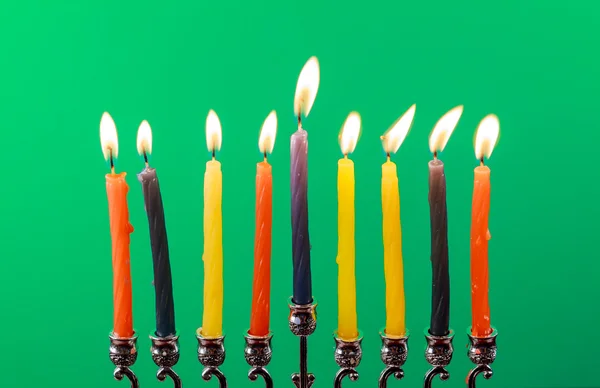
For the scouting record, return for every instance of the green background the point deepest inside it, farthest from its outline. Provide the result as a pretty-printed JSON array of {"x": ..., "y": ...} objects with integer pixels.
[{"x": 533, "y": 63}]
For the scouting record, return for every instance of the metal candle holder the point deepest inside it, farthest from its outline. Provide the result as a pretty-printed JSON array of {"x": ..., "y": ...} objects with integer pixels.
[
  {"x": 258, "y": 354},
  {"x": 347, "y": 355},
  {"x": 211, "y": 354},
  {"x": 123, "y": 353},
  {"x": 482, "y": 352},
  {"x": 438, "y": 354},
  {"x": 394, "y": 351},
  {"x": 165, "y": 354},
  {"x": 303, "y": 322}
]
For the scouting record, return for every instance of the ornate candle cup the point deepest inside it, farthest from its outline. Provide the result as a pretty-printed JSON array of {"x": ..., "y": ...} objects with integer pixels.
[
  {"x": 347, "y": 355},
  {"x": 303, "y": 322},
  {"x": 258, "y": 355},
  {"x": 123, "y": 353},
  {"x": 211, "y": 354},
  {"x": 438, "y": 354},
  {"x": 165, "y": 354},
  {"x": 482, "y": 352},
  {"x": 394, "y": 351}
]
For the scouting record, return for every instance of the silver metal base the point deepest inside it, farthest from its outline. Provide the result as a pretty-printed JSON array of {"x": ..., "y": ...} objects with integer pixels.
[
  {"x": 123, "y": 353},
  {"x": 165, "y": 354},
  {"x": 258, "y": 353},
  {"x": 211, "y": 354},
  {"x": 347, "y": 355},
  {"x": 438, "y": 354},
  {"x": 394, "y": 351},
  {"x": 482, "y": 352}
]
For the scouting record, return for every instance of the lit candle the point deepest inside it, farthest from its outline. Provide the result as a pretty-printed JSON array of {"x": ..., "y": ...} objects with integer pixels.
[
  {"x": 440, "y": 288},
  {"x": 306, "y": 91},
  {"x": 347, "y": 322},
  {"x": 120, "y": 229},
  {"x": 261, "y": 287},
  {"x": 212, "y": 320},
  {"x": 485, "y": 140},
  {"x": 395, "y": 323},
  {"x": 163, "y": 283}
]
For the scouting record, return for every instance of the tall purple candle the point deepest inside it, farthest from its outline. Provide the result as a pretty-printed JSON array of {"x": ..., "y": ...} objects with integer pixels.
[
  {"x": 300, "y": 238},
  {"x": 306, "y": 91},
  {"x": 440, "y": 285}
]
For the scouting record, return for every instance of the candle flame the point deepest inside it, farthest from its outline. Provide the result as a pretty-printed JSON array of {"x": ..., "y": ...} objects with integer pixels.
[
  {"x": 393, "y": 138},
  {"x": 108, "y": 137},
  {"x": 486, "y": 136},
  {"x": 307, "y": 87},
  {"x": 443, "y": 129},
  {"x": 266, "y": 140},
  {"x": 144, "y": 138},
  {"x": 350, "y": 132},
  {"x": 213, "y": 132}
]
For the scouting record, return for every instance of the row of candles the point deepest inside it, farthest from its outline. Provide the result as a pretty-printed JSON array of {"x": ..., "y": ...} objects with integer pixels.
[{"x": 306, "y": 90}]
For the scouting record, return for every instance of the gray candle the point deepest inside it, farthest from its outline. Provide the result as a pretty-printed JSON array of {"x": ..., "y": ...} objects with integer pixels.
[
  {"x": 440, "y": 287},
  {"x": 163, "y": 284}
]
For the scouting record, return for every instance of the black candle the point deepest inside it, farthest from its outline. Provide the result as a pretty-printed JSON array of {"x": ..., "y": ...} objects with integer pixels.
[
  {"x": 440, "y": 289},
  {"x": 163, "y": 284}
]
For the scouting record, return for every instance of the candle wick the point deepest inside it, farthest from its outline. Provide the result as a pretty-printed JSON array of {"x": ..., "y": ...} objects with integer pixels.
[
  {"x": 345, "y": 156},
  {"x": 213, "y": 154},
  {"x": 146, "y": 158},
  {"x": 435, "y": 155},
  {"x": 265, "y": 155},
  {"x": 481, "y": 163},
  {"x": 388, "y": 156},
  {"x": 112, "y": 163},
  {"x": 299, "y": 121}
]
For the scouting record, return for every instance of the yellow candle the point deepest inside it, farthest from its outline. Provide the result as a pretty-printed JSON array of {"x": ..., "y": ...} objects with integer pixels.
[
  {"x": 347, "y": 322},
  {"x": 212, "y": 322},
  {"x": 395, "y": 324}
]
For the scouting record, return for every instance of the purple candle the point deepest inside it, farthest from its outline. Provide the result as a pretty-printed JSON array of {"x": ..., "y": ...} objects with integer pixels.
[
  {"x": 440, "y": 285},
  {"x": 306, "y": 91},
  {"x": 300, "y": 237}
]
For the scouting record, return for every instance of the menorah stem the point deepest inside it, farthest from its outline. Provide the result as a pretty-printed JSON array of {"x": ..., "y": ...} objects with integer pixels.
[
  {"x": 211, "y": 354},
  {"x": 258, "y": 354},
  {"x": 348, "y": 354},
  {"x": 165, "y": 354},
  {"x": 438, "y": 354},
  {"x": 482, "y": 352},
  {"x": 303, "y": 322},
  {"x": 394, "y": 351},
  {"x": 123, "y": 354}
]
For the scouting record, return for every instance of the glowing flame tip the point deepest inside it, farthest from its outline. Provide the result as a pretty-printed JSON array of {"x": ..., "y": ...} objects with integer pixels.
[
  {"x": 487, "y": 136},
  {"x": 443, "y": 129},
  {"x": 307, "y": 87},
  {"x": 213, "y": 132},
  {"x": 144, "y": 138},
  {"x": 350, "y": 133},
  {"x": 268, "y": 132},
  {"x": 108, "y": 136},
  {"x": 393, "y": 138}
]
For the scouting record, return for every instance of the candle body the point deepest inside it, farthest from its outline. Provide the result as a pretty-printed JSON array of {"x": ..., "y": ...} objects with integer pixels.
[
  {"x": 479, "y": 253},
  {"x": 440, "y": 290},
  {"x": 120, "y": 228},
  {"x": 163, "y": 283},
  {"x": 395, "y": 323},
  {"x": 300, "y": 239},
  {"x": 347, "y": 321},
  {"x": 212, "y": 322},
  {"x": 261, "y": 287}
]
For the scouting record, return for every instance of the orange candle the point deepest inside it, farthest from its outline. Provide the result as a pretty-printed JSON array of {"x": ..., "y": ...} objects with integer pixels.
[
  {"x": 487, "y": 135},
  {"x": 120, "y": 229},
  {"x": 261, "y": 287}
]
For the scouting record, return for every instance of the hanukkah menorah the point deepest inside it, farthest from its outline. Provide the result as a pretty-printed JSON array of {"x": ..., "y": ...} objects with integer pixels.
[{"x": 302, "y": 323}]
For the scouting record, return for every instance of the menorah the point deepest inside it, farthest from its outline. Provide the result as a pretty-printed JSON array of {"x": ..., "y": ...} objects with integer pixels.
[{"x": 303, "y": 322}]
